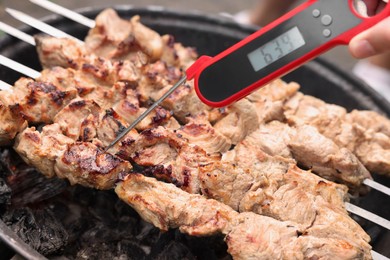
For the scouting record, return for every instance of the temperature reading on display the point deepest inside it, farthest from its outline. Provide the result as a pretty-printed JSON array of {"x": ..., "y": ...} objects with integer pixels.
[{"x": 276, "y": 49}]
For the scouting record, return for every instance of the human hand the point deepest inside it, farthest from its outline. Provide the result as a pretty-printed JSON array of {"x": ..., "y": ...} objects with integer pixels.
[{"x": 375, "y": 40}]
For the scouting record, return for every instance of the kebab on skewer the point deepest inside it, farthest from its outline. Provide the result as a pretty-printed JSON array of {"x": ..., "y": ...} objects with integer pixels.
[
  {"x": 72, "y": 153},
  {"x": 260, "y": 101}
]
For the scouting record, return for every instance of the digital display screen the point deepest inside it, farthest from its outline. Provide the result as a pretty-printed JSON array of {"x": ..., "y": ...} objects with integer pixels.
[{"x": 276, "y": 49}]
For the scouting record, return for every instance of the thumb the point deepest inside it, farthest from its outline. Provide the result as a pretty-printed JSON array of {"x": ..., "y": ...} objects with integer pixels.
[{"x": 374, "y": 41}]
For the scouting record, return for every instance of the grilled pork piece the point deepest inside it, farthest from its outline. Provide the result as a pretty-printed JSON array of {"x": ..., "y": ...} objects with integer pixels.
[
  {"x": 241, "y": 119},
  {"x": 11, "y": 124},
  {"x": 167, "y": 156},
  {"x": 115, "y": 38},
  {"x": 301, "y": 143},
  {"x": 198, "y": 131},
  {"x": 39, "y": 102},
  {"x": 248, "y": 236},
  {"x": 54, "y": 154},
  {"x": 62, "y": 52},
  {"x": 175, "y": 54},
  {"x": 364, "y": 133}
]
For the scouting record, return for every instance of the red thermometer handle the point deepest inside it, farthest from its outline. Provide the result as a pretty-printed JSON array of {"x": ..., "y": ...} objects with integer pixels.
[{"x": 276, "y": 49}]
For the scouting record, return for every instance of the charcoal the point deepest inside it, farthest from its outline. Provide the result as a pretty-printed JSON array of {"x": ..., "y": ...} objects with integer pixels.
[
  {"x": 27, "y": 184},
  {"x": 33, "y": 187},
  {"x": 174, "y": 250},
  {"x": 5, "y": 193},
  {"x": 116, "y": 250},
  {"x": 38, "y": 228}
]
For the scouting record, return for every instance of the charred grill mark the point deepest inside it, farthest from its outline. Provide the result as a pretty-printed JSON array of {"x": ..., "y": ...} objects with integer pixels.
[
  {"x": 128, "y": 106},
  {"x": 15, "y": 108},
  {"x": 31, "y": 99},
  {"x": 127, "y": 142},
  {"x": 110, "y": 113},
  {"x": 149, "y": 134},
  {"x": 120, "y": 129},
  {"x": 85, "y": 135},
  {"x": 130, "y": 84},
  {"x": 187, "y": 177},
  {"x": 90, "y": 160},
  {"x": 89, "y": 68},
  {"x": 158, "y": 171},
  {"x": 33, "y": 137},
  {"x": 77, "y": 105},
  {"x": 58, "y": 97},
  {"x": 152, "y": 75},
  {"x": 161, "y": 116},
  {"x": 42, "y": 86}
]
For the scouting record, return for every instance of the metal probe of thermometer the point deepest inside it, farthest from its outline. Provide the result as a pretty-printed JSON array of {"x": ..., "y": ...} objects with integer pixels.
[{"x": 276, "y": 49}]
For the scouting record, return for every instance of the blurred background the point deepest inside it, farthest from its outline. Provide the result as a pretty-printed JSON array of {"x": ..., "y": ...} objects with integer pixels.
[{"x": 339, "y": 55}]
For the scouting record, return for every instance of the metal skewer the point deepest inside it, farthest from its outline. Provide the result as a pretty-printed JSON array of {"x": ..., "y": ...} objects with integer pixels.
[
  {"x": 19, "y": 67},
  {"x": 377, "y": 186},
  {"x": 4, "y": 86},
  {"x": 55, "y": 8},
  {"x": 17, "y": 33},
  {"x": 39, "y": 24},
  {"x": 367, "y": 215}
]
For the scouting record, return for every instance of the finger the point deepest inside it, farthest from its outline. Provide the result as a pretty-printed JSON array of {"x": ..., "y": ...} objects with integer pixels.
[{"x": 374, "y": 41}]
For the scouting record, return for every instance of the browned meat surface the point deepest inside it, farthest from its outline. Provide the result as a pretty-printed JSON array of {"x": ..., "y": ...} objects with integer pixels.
[
  {"x": 324, "y": 157},
  {"x": 116, "y": 38},
  {"x": 11, "y": 124},
  {"x": 365, "y": 133},
  {"x": 41, "y": 101},
  {"x": 240, "y": 120},
  {"x": 176, "y": 54},
  {"x": 166, "y": 206},
  {"x": 85, "y": 164},
  {"x": 327, "y": 118},
  {"x": 54, "y": 154},
  {"x": 42, "y": 149},
  {"x": 198, "y": 131},
  {"x": 248, "y": 236},
  {"x": 276, "y": 141},
  {"x": 61, "y": 52},
  {"x": 167, "y": 156}
]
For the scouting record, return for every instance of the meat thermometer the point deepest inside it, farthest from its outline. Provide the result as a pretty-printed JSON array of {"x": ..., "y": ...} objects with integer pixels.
[{"x": 271, "y": 52}]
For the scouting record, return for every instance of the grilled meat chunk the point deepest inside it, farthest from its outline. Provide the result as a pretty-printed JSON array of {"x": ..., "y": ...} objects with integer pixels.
[
  {"x": 248, "y": 236},
  {"x": 361, "y": 132},
  {"x": 166, "y": 206},
  {"x": 175, "y": 54},
  {"x": 240, "y": 120},
  {"x": 331, "y": 161},
  {"x": 77, "y": 116},
  {"x": 41, "y": 149},
  {"x": 11, "y": 124},
  {"x": 61, "y": 52},
  {"x": 41, "y": 101},
  {"x": 165, "y": 155},
  {"x": 83, "y": 163},
  {"x": 276, "y": 141},
  {"x": 198, "y": 131},
  {"x": 115, "y": 38}
]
